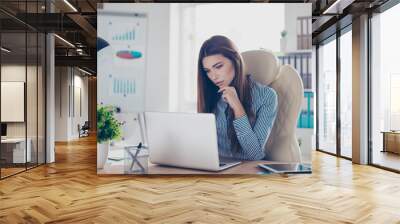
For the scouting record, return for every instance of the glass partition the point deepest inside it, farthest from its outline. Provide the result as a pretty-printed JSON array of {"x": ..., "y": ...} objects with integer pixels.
[
  {"x": 22, "y": 67},
  {"x": 13, "y": 92}
]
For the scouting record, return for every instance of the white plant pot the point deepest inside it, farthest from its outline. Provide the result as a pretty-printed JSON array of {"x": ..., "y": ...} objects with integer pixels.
[
  {"x": 102, "y": 154},
  {"x": 283, "y": 45}
]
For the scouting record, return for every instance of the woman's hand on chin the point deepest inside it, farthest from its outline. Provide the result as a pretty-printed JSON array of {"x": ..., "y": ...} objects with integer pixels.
[{"x": 230, "y": 96}]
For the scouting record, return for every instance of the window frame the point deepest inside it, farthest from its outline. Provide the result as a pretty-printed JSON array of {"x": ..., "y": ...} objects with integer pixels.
[{"x": 333, "y": 37}]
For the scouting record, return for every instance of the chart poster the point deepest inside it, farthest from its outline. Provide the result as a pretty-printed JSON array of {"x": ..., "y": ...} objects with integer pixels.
[{"x": 121, "y": 59}]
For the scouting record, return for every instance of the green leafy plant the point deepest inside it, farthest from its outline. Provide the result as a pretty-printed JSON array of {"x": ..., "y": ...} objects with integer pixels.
[
  {"x": 108, "y": 127},
  {"x": 283, "y": 33}
]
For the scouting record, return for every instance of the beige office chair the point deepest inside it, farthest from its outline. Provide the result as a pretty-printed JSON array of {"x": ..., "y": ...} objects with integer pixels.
[{"x": 282, "y": 143}]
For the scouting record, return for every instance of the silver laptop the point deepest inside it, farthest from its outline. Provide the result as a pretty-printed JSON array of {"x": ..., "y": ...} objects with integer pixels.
[{"x": 185, "y": 140}]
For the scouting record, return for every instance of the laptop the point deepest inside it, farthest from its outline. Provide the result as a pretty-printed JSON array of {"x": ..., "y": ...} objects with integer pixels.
[{"x": 186, "y": 140}]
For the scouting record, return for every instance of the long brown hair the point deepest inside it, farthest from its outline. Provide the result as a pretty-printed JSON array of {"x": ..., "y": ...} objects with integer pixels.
[{"x": 207, "y": 91}]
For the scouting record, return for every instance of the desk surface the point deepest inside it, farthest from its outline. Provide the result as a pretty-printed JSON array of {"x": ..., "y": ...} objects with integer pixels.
[
  {"x": 246, "y": 167},
  {"x": 13, "y": 140},
  {"x": 390, "y": 132}
]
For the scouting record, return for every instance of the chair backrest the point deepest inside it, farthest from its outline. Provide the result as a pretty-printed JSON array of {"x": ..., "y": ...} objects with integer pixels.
[
  {"x": 282, "y": 143},
  {"x": 86, "y": 125}
]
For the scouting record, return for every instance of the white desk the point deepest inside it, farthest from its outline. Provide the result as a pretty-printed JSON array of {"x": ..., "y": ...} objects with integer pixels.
[
  {"x": 246, "y": 167},
  {"x": 119, "y": 167},
  {"x": 18, "y": 149}
]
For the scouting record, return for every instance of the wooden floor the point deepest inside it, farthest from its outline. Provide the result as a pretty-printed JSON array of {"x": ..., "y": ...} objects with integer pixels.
[
  {"x": 69, "y": 191},
  {"x": 10, "y": 171},
  {"x": 387, "y": 159}
]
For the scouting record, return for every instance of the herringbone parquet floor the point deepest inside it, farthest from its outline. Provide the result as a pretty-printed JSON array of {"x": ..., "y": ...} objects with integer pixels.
[{"x": 69, "y": 191}]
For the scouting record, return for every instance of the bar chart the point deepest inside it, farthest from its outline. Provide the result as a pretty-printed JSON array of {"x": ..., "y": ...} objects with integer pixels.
[
  {"x": 127, "y": 36},
  {"x": 124, "y": 87}
]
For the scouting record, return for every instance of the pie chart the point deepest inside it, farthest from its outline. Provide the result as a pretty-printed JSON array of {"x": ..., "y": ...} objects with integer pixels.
[{"x": 126, "y": 54}]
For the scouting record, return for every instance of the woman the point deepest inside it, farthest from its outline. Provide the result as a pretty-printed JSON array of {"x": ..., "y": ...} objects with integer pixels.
[{"x": 245, "y": 110}]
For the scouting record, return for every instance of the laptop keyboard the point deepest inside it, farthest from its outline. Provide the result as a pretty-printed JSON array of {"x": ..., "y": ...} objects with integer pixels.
[{"x": 222, "y": 164}]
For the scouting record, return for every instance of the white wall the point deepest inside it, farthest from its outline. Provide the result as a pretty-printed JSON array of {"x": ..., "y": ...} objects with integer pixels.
[
  {"x": 82, "y": 83},
  {"x": 66, "y": 121},
  {"x": 33, "y": 126},
  {"x": 15, "y": 72},
  {"x": 61, "y": 103}
]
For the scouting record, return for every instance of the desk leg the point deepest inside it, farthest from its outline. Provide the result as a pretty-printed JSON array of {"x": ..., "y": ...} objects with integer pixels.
[{"x": 384, "y": 143}]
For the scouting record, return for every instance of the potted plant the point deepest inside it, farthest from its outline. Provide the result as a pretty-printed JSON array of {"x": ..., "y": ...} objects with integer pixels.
[
  {"x": 283, "y": 40},
  {"x": 108, "y": 128}
]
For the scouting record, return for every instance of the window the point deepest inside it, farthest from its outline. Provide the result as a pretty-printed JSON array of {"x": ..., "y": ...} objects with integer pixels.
[
  {"x": 346, "y": 94},
  {"x": 385, "y": 88},
  {"x": 327, "y": 97}
]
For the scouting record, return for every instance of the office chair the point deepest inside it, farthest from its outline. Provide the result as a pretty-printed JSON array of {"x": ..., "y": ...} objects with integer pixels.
[
  {"x": 282, "y": 143},
  {"x": 84, "y": 129}
]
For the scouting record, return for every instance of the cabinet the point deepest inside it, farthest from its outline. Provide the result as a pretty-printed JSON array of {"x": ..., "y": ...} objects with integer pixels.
[{"x": 391, "y": 141}]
